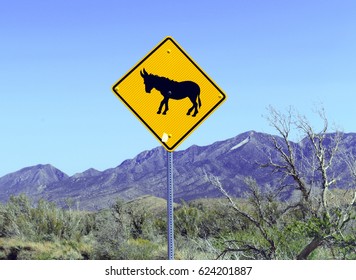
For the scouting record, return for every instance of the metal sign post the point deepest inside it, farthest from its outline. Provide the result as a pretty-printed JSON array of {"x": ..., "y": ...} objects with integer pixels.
[{"x": 170, "y": 218}]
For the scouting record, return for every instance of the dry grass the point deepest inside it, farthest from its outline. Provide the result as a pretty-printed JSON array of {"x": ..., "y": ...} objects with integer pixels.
[{"x": 16, "y": 249}]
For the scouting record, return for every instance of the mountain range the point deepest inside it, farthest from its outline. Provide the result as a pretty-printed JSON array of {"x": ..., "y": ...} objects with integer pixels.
[{"x": 232, "y": 160}]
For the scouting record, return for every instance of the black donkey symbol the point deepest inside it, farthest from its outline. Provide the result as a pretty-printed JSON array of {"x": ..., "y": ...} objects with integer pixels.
[{"x": 172, "y": 89}]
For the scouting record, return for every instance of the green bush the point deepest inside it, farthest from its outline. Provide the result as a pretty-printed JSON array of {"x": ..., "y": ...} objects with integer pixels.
[{"x": 41, "y": 222}]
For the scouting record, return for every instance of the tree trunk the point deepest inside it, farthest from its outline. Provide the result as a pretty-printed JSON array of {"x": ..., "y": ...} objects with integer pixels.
[{"x": 315, "y": 243}]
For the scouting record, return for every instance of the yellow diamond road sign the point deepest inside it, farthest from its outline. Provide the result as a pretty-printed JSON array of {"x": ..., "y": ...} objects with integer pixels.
[{"x": 169, "y": 93}]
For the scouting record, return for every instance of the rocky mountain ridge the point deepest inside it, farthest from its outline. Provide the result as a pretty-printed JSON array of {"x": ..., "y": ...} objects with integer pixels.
[{"x": 232, "y": 160}]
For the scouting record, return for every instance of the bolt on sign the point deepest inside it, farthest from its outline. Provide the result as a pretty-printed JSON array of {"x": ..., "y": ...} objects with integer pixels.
[{"x": 169, "y": 93}]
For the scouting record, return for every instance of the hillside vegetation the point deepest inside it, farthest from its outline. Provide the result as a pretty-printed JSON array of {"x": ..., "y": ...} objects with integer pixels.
[{"x": 137, "y": 230}]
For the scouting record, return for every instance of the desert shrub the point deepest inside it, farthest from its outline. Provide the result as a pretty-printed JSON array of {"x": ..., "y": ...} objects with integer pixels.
[
  {"x": 19, "y": 217},
  {"x": 125, "y": 232},
  {"x": 187, "y": 220},
  {"x": 16, "y": 218}
]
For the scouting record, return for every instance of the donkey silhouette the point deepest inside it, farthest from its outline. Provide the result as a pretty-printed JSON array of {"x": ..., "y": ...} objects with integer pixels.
[{"x": 172, "y": 89}]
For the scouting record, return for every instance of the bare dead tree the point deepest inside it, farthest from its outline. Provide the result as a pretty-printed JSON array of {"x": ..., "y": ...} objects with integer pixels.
[
  {"x": 258, "y": 218},
  {"x": 305, "y": 168},
  {"x": 324, "y": 148}
]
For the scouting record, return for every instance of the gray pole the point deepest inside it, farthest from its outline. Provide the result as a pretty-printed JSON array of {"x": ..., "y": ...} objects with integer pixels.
[{"x": 170, "y": 219}]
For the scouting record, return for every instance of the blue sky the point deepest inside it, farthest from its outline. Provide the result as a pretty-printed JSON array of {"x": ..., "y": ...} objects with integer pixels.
[{"x": 59, "y": 59}]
